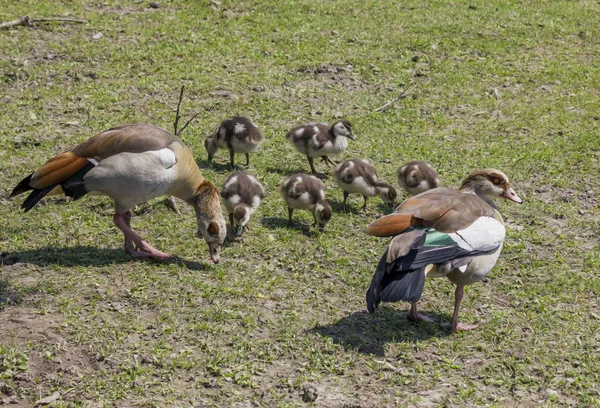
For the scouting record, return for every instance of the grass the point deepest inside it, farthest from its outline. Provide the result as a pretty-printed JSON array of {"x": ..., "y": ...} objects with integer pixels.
[{"x": 511, "y": 86}]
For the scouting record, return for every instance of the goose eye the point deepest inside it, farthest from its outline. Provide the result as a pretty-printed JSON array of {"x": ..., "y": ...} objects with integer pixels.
[{"x": 496, "y": 181}]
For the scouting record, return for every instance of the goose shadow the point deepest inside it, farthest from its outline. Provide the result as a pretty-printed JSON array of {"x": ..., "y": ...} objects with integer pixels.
[
  {"x": 283, "y": 172},
  {"x": 84, "y": 256},
  {"x": 339, "y": 207},
  {"x": 275, "y": 223},
  {"x": 386, "y": 209},
  {"x": 369, "y": 333},
  {"x": 218, "y": 167}
]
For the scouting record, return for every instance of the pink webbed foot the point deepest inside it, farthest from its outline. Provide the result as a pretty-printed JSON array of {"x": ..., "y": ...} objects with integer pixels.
[{"x": 464, "y": 327}]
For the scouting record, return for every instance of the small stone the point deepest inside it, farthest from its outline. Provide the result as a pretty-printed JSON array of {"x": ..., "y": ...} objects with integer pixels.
[
  {"x": 97, "y": 36},
  {"x": 581, "y": 212},
  {"x": 309, "y": 393},
  {"x": 415, "y": 58},
  {"x": 153, "y": 5}
]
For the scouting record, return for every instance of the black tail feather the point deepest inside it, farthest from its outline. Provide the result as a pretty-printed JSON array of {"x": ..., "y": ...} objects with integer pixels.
[
  {"x": 22, "y": 187},
  {"x": 33, "y": 198},
  {"x": 392, "y": 282},
  {"x": 74, "y": 186}
]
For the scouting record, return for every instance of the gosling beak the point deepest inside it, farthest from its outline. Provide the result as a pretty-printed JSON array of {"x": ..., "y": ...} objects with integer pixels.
[
  {"x": 510, "y": 194},
  {"x": 239, "y": 230},
  {"x": 351, "y": 136}
]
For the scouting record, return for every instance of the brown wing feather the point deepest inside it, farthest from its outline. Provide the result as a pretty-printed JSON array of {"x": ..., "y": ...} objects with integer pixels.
[
  {"x": 390, "y": 225},
  {"x": 128, "y": 138},
  {"x": 444, "y": 209},
  {"x": 58, "y": 169}
]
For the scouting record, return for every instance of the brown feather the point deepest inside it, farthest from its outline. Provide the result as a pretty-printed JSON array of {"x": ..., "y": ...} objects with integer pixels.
[
  {"x": 445, "y": 209},
  {"x": 389, "y": 225},
  {"x": 128, "y": 138},
  {"x": 57, "y": 170}
]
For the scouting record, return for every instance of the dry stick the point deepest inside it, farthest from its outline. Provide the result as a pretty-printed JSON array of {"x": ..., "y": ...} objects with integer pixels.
[
  {"x": 188, "y": 122},
  {"x": 407, "y": 91},
  {"x": 26, "y": 21},
  {"x": 177, "y": 114},
  {"x": 23, "y": 21}
]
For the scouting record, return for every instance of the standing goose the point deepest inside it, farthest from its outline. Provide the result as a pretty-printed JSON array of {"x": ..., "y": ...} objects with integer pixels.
[
  {"x": 242, "y": 194},
  {"x": 132, "y": 164},
  {"x": 417, "y": 176},
  {"x": 441, "y": 232},
  {"x": 238, "y": 135},
  {"x": 359, "y": 176},
  {"x": 320, "y": 140},
  {"x": 305, "y": 192}
]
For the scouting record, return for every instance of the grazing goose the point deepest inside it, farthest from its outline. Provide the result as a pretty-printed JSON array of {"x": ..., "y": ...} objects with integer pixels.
[
  {"x": 132, "y": 164},
  {"x": 417, "y": 176},
  {"x": 305, "y": 192},
  {"x": 238, "y": 135},
  {"x": 441, "y": 232},
  {"x": 242, "y": 194},
  {"x": 359, "y": 176},
  {"x": 320, "y": 140}
]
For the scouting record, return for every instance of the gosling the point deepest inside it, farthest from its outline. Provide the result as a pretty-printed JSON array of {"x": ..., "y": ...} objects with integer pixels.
[
  {"x": 417, "y": 176},
  {"x": 359, "y": 176},
  {"x": 242, "y": 195},
  {"x": 320, "y": 140},
  {"x": 306, "y": 192},
  {"x": 238, "y": 135}
]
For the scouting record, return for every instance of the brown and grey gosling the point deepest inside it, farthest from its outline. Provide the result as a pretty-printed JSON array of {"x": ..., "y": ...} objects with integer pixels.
[
  {"x": 359, "y": 176},
  {"x": 306, "y": 192},
  {"x": 320, "y": 140},
  {"x": 242, "y": 194},
  {"x": 238, "y": 135},
  {"x": 417, "y": 176}
]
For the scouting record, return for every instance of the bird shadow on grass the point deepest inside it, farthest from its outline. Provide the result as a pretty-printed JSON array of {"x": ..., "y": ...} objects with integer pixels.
[
  {"x": 276, "y": 223},
  {"x": 218, "y": 167},
  {"x": 369, "y": 333},
  {"x": 284, "y": 172},
  {"x": 348, "y": 208},
  {"x": 87, "y": 256}
]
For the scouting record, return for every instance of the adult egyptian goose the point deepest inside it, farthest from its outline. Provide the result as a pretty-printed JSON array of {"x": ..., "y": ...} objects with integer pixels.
[
  {"x": 132, "y": 164},
  {"x": 305, "y": 192},
  {"x": 242, "y": 194},
  {"x": 417, "y": 176},
  {"x": 320, "y": 140},
  {"x": 238, "y": 135},
  {"x": 359, "y": 176},
  {"x": 441, "y": 232}
]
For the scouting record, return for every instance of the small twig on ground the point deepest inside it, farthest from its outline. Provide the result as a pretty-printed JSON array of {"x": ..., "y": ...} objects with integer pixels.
[
  {"x": 27, "y": 22},
  {"x": 177, "y": 116},
  {"x": 177, "y": 113},
  {"x": 405, "y": 92}
]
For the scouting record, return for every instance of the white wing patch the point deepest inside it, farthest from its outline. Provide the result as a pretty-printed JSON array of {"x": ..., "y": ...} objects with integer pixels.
[
  {"x": 239, "y": 128},
  {"x": 485, "y": 234},
  {"x": 231, "y": 181},
  {"x": 93, "y": 161},
  {"x": 166, "y": 156},
  {"x": 300, "y": 132}
]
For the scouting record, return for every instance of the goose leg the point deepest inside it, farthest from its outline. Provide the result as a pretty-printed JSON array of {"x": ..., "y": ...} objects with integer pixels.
[
  {"x": 231, "y": 221},
  {"x": 365, "y": 204},
  {"x": 415, "y": 316},
  {"x": 312, "y": 165},
  {"x": 330, "y": 162},
  {"x": 231, "y": 157},
  {"x": 247, "y": 159},
  {"x": 346, "y": 194},
  {"x": 290, "y": 213},
  {"x": 455, "y": 325},
  {"x": 143, "y": 249}
]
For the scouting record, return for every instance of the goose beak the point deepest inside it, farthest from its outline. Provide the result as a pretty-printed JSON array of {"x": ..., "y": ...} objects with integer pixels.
[
  {"x": 510, "y": 194},
  {"x": 351, "y": 136},
  {"x": 215, "y": 250}
]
